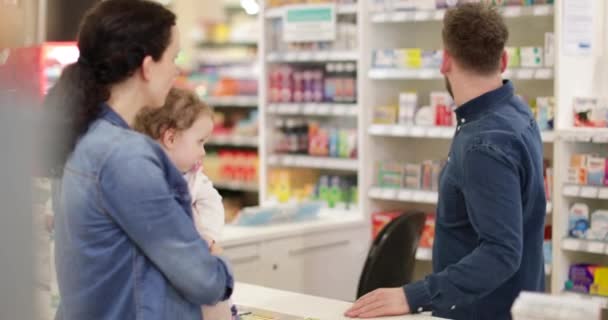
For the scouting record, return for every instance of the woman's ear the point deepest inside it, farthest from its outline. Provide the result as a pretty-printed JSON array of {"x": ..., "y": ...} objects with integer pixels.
[{"x": 146, "y": 68}]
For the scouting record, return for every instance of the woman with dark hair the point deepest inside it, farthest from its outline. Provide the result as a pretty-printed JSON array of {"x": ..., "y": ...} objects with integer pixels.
[{"x": 126, "y": 247}]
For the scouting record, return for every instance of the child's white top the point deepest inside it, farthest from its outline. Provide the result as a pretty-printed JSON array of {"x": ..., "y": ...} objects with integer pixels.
[{"x": 207, "y": 207}]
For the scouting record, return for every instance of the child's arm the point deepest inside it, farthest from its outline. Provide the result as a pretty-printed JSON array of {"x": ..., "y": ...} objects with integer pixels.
[{"x": 208, "y": 208}]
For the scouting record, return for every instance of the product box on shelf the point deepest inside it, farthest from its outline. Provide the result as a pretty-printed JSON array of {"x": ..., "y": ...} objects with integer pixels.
[
  {"x": 596, "y": 170},
  {"x": 547, "y": 252},
  {"x": 442, "y": 104},
  {"x": 385, "y": 114},
  {"x": 588, "y": 279},
  {"x": 336, "y": 190},
  {"x": 384, "y": 58},
  {"x": 407, "y": 107},
  {"x": 513, "y": 57},
  {"x": 412, "y": 176},
  {"x": 389, "y": 174},
  {"x": 545, "y": 112},
  {"x": 589, "y": 112},
  {"x": 428, "y": 233},
  {"x": 381, "y": 219},
  {"x": 581, "y": 277},
  {"x": 578, "y": 220},
  {"x": 577, "y": 172},
  {"x": 606, "y": 173},
  {"x": 599, "y": 226},
  {"x": 432, "y": 59},
  {"x": 531, "y": 57},
  {"x": 410, "y": 58}
]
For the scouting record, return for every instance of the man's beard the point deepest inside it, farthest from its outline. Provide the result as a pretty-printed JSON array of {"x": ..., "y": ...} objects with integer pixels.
[{"x": 448, "y": 86}]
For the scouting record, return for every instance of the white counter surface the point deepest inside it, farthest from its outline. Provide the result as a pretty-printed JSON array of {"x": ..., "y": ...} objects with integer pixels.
[
  {"x": 298, "y": 304},
  {"x": 328, "y": 220}
]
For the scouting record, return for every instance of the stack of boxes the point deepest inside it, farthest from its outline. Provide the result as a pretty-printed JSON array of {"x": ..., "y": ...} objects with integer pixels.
[
  {"x": 588, "y": 169},
  {"x": 424, "y": 176}
]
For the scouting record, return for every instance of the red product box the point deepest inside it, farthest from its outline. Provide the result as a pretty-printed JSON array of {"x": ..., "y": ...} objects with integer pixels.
[
  {"x": 428, "y": 233},
  {"x": 381, "y": 219}
]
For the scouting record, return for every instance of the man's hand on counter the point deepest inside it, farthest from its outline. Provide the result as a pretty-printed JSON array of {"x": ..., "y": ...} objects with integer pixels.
[{"x": 380, "y": 303}]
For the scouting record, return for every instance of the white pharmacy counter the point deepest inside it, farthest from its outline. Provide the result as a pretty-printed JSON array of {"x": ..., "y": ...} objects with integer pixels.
[{"x": 299, "y": 305}]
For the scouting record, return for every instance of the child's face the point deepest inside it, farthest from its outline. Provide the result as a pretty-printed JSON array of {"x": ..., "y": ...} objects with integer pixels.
[{"x": 186, "y": 148}]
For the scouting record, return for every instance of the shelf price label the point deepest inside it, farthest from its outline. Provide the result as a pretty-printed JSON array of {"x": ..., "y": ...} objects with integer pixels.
[
  {"x": 589, "y": 192},
  {"x": 571, "y": 191},
  {"x": 405, "y": 195},
  {"x": 542, "y": 10},
  {"x": 595, "y": 247},
  {"x": 309, "y": 23},
  {"x": 543, "y": 73},
  {"x": 514, "y": 11},
  {"x": 603, "y": 194}
]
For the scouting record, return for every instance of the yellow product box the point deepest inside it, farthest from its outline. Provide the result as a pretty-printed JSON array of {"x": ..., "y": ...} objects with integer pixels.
[
  {"x": 409, "y": 58},
  {"x": 600, "y": 282},
  {"x": 385, "y": 114}
]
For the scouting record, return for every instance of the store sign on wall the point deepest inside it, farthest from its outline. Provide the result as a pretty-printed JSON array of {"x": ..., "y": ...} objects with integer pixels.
[{"x": 309, "y": 23}]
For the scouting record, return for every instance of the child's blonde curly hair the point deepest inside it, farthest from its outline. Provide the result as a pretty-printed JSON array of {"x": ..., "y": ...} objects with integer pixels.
[{"x": 180, "y": 111}]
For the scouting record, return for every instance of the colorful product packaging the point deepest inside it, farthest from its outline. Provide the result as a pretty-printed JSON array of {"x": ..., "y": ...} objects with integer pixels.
[
  {"x": 531, "y": 57},
  {"x": 578, "y": 220}
]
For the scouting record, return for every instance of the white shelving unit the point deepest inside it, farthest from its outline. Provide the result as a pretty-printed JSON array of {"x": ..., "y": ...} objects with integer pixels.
[
  {"x": 348, "y": 113},
  {"x": 242, "y": 101},
  {"x": 295, "y": 161},
  {"x": 234, "y": 141},
  {"x": 273, "y": 13},
  {"x": 435, "y": 74},
  {"x": 412, "y": 143},
  {"x": 313, "y": 56},
  {"x": 314, "y": 109},
  {"x": 577, "y": 76},
  {"x": 437, "y": 15}
]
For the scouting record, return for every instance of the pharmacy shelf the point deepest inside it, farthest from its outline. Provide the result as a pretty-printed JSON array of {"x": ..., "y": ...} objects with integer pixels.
[
  {"x": 314, "y": 109},
  {"x": 587, "y": 192},
  {"x": 602, "y": 300},
  {"x": 411, "y": 131},
  {"x": 436, "y": 15},
  {"x": 583, "y": 245},
  {"x": 589, "y": 135},
  {"x": 404, "y": 195},
  {"x": 342, "y": 9},
  {"x": 234, "y": 141},
  {"x": 414, "y": 196},
  {"x": 232, "y": 101},
  {"x": 313, "y": 162},
  {"x": 236, "y": 186},
  {"x": 313, "y": 56},
  {"x": 395, "y": 130},
  {"x": 435, "y": 74},
  {"x": 548, "y": 136},
  {"x": 228, "y": 44}
]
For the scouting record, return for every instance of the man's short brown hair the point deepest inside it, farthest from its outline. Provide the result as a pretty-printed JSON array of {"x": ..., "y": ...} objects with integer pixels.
[{"x": 475, "y": 35}]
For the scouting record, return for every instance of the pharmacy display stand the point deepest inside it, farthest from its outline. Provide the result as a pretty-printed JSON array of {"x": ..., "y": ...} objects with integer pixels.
[
  {"x": 581, "y": 194},
  {"x": 408, "y": 127},
  {"x": 309, "y": 103}
]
